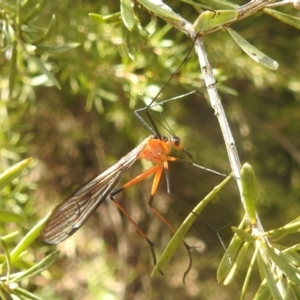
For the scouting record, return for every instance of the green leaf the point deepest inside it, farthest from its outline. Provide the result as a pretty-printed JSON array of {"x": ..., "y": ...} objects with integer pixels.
[
  {"x": 248, "y": 274},
  {"x": 282, "y": 262},
  {"x": 44, "y": 70},
  {"x": 271, "y": 283},
  {"x": 253, "y": 52},
  {"x": 290, "y": 20},
  {"x": 211, "y": 19},
  {"x": 228, "y": 258},
  {"x": 237, "y": 263},
  {"x": 57, "y": 49},
  {"x": 5, "y": 293},
  {"x": 21, "y": 292},
  {"x": 113, "y": 18},
  {"x": 249, "y": 191},
  {"x": 263, "y": 292},
  {"x": 11, "y": 217},
  {"x": 30, "y": 10},
  {"x": 7, "y": 256},
  {"x": 219, "y": 4},
  {"x": 284, "y": 230},
  {"x": 28, "y": 239},
  {"x": 230, "y": 254},
  {"x": 293, "y": 290},
  {"x": 159, "y": 10},
  {"x": 13, "y": 68},
  {"x": 244, "y": 235},
  {"x": 291, "y": 254},
  {"x": 13, "y": 172},
  {"x": 179, "y": 235},
  {"x": 48, "y": 32},
  {"x": 127, "y": 14},
  {"x": 9, "y": 237},
  {"x": 38, "y": 268}
]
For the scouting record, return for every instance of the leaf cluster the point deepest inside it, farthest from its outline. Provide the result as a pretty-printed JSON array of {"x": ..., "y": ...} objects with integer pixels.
[{"x": 71, "y": 75}]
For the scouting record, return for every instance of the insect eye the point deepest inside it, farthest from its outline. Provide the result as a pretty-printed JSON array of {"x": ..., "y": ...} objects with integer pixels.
[
  {"x": 176, "y": 140},
  {"x": 164, "y": 138}
]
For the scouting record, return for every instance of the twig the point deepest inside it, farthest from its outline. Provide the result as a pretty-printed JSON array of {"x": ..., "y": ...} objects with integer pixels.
[{"x": 187, "y": 28}]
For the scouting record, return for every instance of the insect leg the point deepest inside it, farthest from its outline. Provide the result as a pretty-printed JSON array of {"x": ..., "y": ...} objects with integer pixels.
[
  {"x": 156, "y": 181},
  {"x": 135, "y": 180}
]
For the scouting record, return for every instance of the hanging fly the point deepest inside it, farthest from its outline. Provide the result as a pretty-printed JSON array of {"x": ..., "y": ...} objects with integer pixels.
[{"x": 74, "y": 211}]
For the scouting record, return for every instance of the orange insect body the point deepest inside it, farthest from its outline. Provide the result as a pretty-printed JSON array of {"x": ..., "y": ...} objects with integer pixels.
[{"x": 158, "y": 151}]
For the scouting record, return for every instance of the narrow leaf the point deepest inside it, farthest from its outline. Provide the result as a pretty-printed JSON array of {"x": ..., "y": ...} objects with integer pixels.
[
  {"x": 38, "y": 268},
  {"x": 290, "y": 20},
  {"x": 48, "y": 32},
  {"x": 179, "y": 235},
  {"x": 249, "y": 191},
  {"x": 44, "y": 70},
  {"x": 113, "y": 18},
  {"x": 21, "y": 292},
  {"x": 295, "y": 291},
  {"x": 9, "y": 237},
  {"x": 284, "y": 230},
  {"x": 11, "y": 217},
  {"x": 219, "y": 4},
  {"x": 13, "y": 68},
  {"x": 211, "y": 19},
  {"x": 57, "y": 49},
  {"x": 248, "y": 275},
  {"x": 159, "y": 9},
  {"x": 28, "y": 239},
  {"x": 230, "y": 254},
  {"x": 5, "y": 293},
  {"x": 13, "y": 172},
  {"x": 7, "y": 256},
  {"x": 228, "y": 258},
  {"x": 244, "y": 235},
  {"x": 271, "y": 283},
  {"x": 253, "y": 52},
  {"x": 33, "y": 8},
  {"x": 282, "y": 263},
  {"x": 237, "y": 264},
  {"x": 127, "y": 14},
  {"x": 263, "y": 292},
  {"x": 291, "y": 255}
]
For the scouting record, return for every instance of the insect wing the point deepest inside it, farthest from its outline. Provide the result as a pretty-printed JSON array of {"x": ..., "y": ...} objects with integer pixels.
[{"x": 70, "y": 215}]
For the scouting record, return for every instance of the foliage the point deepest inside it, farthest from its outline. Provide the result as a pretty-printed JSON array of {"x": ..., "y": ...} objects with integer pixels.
[{"x": 71, "y": 75}]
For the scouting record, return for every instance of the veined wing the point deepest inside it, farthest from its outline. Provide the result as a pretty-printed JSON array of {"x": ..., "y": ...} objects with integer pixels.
[{"x": 70, "y": 215}]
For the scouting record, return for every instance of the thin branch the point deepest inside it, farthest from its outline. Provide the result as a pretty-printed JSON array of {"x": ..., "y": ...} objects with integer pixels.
[
  {"x": 187, "y": 28},
  {"x": 216, "y": 104}
]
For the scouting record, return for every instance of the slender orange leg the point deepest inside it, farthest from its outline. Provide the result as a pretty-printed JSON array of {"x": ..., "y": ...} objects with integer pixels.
[
  {"x": 165, "y": 167},
  {"x": 135, "y": 180},
  {"x": 157, "y": 170}
]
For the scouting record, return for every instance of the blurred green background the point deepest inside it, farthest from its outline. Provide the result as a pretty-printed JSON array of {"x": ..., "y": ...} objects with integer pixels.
[{"x": 79, "y": 130}]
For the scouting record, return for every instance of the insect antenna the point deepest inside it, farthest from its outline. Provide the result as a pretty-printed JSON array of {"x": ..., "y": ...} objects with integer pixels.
[{"x": 154, "y": 128}]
